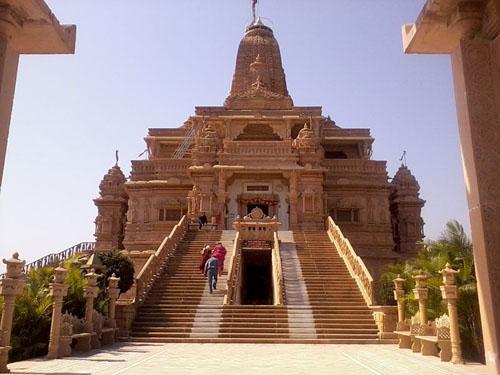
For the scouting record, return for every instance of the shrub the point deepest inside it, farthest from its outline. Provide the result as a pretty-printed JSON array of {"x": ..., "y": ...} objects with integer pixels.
[{"x": 120, "y": 265}]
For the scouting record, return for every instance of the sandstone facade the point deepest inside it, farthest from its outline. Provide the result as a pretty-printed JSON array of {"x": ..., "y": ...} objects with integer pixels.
[{"x": 260, "y": 150}]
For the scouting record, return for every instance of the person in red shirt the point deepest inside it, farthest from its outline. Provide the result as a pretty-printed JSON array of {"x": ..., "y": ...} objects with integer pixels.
[
  {"x": 205, "y": 254},
  {"x": 219, "y": 252}
]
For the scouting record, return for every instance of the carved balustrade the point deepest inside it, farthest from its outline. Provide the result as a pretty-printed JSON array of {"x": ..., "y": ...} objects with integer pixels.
[
  {"x": 55, "y": 258},
  {"x": 262, "y": 149},
  {"x": 354, "y": 263},
  {"x": 233, "y": 274},
  {"x": 355, "y": 166},
  {"x": 158, "y": 169},
  {"x": 158, "y": 260},
  {"x": 278, "y": 286}
]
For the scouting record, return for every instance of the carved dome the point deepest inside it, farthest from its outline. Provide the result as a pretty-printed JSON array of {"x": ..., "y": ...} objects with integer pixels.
[
  {"x": 113, "y": 182},
  {"x": 259, "y": 72}
]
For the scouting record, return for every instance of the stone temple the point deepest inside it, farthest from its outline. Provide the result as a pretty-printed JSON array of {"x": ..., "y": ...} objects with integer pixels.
[{"x": 260, "y": 150}]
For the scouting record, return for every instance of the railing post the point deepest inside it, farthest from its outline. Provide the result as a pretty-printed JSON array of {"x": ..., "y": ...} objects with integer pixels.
[
  {"x": 421, "y": 293},
  {"x": 90, "y": 293},
  {"x": 113, "y": 293},
  {"x": 10, "y": 287},
  {"x": 399, "y": 294},
  {"x": 58, "y": 290},
  {"x": 449, "y": 293}
]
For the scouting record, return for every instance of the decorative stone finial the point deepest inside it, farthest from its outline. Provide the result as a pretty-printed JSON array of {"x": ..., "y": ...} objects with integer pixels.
[
  {"x": 398, "y": 282},
  {"x": 448, "y": 274},
  {"x": 14, "y": 266},
  {"x": 60, "y": 274}
]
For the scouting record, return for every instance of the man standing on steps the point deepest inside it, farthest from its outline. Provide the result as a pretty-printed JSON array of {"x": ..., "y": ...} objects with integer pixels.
[
  {"x": 219, "y": 252},
  {"x": 211, "y": 270}
]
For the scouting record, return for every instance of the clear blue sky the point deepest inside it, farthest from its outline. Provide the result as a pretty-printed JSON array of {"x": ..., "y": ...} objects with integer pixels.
[{"x": 141, "y": 64}]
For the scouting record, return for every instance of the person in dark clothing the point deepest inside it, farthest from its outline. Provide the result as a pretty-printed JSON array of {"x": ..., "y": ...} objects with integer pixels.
[
  {"x": 202, "y": 220},
  {"x": 211, "y": 270}
]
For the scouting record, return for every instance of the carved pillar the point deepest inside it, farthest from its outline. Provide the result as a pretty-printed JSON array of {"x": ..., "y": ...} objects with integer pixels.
[
  {"x": 90, "y": 293},
  {"x": 113, "y": 293},
  {"x": 421, "y": 293},
  {"x": 58, "y": 290},
  {"x": 8, "y": 74},
  {"x": 399, "y": 294},
  {"x": 10, "y": 287},
  {"x": 450, "y": 294}
]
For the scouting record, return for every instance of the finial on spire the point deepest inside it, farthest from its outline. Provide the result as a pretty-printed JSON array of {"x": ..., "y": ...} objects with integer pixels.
[
  {"x": 116, "y": 157},
  {"x": 402, "y": 159},
  {"x": 254, "y": 14}
]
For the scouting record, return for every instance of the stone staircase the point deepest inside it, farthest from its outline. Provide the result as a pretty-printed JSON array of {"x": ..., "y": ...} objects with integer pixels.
[
  {"x": 339, "y": 309},
  {"x": 169, "y": 311},
  {"x": 324, "y": 302}
]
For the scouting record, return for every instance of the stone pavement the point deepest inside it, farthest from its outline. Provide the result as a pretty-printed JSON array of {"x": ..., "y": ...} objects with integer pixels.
[{"x": 137, "y": 358}]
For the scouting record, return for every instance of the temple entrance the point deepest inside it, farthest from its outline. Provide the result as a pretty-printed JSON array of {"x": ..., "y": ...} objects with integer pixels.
[
  {"x": 263, "y": 207},
  {"x": 256, "y": 277}
]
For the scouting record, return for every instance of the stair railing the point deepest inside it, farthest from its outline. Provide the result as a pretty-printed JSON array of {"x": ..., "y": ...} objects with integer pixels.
[
  {"x": 55, "y": 258},
  {"x": 233, "y": 273},
  {"x": 158, "y": 261},
  {"x": 278, "y": 288},
  {"x": 354, "y": 263}
]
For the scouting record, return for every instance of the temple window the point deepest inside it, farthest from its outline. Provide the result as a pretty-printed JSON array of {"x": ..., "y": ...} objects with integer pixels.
[
  {"x": 346, "y": 215},
  {"x": 335, "y": 155}
]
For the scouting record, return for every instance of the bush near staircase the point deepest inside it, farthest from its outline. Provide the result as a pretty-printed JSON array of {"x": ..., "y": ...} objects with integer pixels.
[{"x": 452, "y": 247}]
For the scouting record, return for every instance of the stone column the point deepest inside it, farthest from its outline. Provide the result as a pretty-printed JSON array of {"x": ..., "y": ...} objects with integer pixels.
[
  {"x": 450, "y": 294},
  {"x": 468, "y": 31},
  {"x": 90, "y": 293},
  {"x": 421, "y": 293},
  {"x": 29, "y": 28},
  {"x": 8, "y": 74},
  {"x": 113, "y": 293},
  {"x": 58, "y": 290},
  {"x": 399, "y": 293},
  {"x": 10, "y": 287}
]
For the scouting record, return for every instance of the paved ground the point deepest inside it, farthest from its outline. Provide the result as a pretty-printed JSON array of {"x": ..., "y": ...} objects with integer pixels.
[{"x": 150, "y": 359}]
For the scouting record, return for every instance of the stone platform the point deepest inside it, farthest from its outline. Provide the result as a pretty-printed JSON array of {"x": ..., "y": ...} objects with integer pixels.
[{"x": 135, "y": 358}]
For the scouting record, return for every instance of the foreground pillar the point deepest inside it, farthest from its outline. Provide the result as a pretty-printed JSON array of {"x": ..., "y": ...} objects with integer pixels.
[
  {"x": 449, "y": 293},
  {"x": 470, "y": 32},
  {"x": 90, "y": 293},
  {"x": 10, "y": 287},
  {"x": 421, "y": 293},
  {"x": 399, "y": 294},
  {"x": 26, "y": 27},
  {"x": 113, "y": 293},
  {"x": 58, "y": 290}
]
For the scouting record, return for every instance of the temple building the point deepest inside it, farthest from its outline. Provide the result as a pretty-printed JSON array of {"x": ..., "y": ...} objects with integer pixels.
[{"x": 261, "y": 150}]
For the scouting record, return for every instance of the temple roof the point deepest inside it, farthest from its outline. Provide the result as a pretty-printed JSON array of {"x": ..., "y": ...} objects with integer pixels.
[{"x": 259, "y": 79}]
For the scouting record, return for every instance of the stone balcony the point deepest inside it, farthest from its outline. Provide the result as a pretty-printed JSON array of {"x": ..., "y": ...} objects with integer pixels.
[
  {"x": 160, "y": 169},
  {"x": 264, "y": 153},
  {"x": 356, "y": 170}
]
